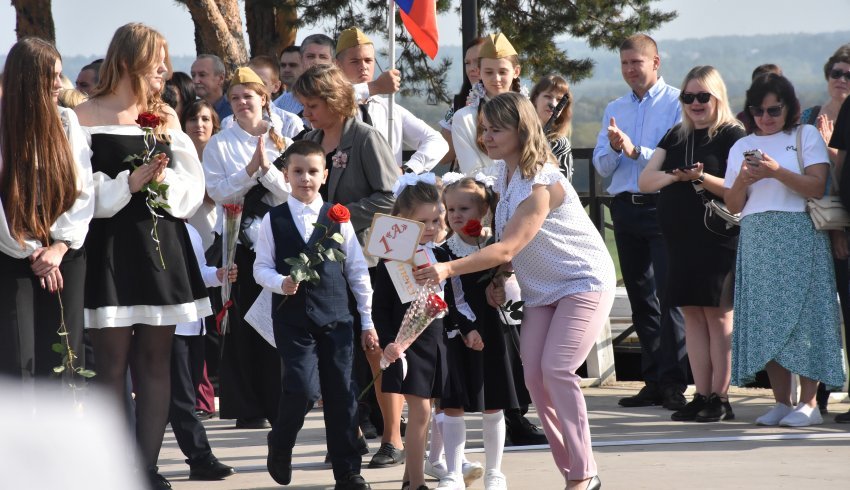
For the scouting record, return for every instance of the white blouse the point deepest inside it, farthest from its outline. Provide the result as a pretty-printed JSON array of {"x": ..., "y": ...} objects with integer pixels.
[
  {"x": 225, "y": 158},
  {"x": 288, "y": 124},
  {"x": 567, "y": 255},
  {"x": 469, "y": 158},
  {"x": 73, "y": 225},
  {"x": 184, "y": 176}
]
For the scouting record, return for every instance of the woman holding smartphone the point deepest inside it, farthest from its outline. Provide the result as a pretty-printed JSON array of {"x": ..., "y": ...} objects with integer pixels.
[
  {"x": 690, "y": 158},
  {"x": 786, "y": 313}
]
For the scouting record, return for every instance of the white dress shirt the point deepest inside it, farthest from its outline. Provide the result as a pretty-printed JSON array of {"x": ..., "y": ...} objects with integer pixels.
[
  {"x": 355, "y": 268},
  {"x": 410, "y": 131},
  {"x": 73, "y": 224},
  {"x": 225, "y": 158},
  {"x": 208, "y": 273},
  {"x": 287, "y": 123},
  {"x": 470, "y": 159}
]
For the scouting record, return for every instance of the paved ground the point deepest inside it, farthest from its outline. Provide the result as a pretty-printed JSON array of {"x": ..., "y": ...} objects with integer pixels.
[{"x": 634, "y": 448}]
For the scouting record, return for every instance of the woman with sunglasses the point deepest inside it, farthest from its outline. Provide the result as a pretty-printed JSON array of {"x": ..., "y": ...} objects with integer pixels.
[
  {"x": 786, "y": 313},
  {"x": 690, "y": 159},
  {"x": 837, "y": 74}
]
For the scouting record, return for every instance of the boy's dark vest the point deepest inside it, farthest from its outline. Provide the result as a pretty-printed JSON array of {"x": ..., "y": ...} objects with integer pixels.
[{"x": 323, "y": 303}]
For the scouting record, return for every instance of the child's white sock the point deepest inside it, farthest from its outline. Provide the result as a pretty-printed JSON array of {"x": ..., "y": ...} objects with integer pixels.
[
  {"x": 494, "y": 439},
  {"x": 435, "y": 450},
  {"x": 454, "y": 437}
]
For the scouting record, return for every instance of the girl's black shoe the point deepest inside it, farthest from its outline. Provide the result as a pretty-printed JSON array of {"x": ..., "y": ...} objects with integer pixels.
[
  {"x": 690, "y": 410},
  {"x": 715, "y": 409}
]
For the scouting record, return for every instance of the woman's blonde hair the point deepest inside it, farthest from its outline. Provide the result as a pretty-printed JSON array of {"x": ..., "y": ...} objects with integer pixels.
[
  {"x": 513, "y": 111},
  {"x": 134, "y": 49},
  {"x": 710, "y": 79},
  {"x": 328, "y": 83},
  {"x": 261, "y": 90},
  {"x": 555, "y": 83}
]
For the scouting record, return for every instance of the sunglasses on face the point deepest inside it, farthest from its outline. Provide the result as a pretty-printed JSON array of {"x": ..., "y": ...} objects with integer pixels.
[
  {"x": 688, "y": 98},
  {"x": 772, "y": 111},
  {"x": 836, "y": 74}
]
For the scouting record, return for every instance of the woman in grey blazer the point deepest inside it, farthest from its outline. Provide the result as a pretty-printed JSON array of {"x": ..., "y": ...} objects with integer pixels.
[
  {"x": 361, "y": 174},
  {"x": 361, "y": 167}
]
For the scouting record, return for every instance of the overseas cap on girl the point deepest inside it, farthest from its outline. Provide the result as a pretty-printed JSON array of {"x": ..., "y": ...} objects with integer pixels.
[
  {"x": 496, "y": 46},
  {"x": 245, "y": 75},
  {"x": 351, "y": 37}
]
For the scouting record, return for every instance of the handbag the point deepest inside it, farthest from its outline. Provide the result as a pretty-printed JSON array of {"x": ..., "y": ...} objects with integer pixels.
[
  {"x": 717, "y": 218},
  {"x": 827, "y": 212}
]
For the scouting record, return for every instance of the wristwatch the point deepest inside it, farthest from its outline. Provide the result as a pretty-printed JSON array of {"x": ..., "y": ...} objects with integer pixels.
[
  {"x": 637, "y": 153},
  {"x": 699, "y": 180}
]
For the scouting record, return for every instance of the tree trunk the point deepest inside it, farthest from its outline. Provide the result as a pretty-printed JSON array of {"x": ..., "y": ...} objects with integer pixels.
[
  {"x": 271, "y": 25},
  {"x": 35, "y": 18},
  {"x": 218, "y": 31}
]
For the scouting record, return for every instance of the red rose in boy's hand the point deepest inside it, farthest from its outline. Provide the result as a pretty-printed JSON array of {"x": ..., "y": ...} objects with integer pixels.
[
  {"x": 148, "y": 120},
  {"x": 472, "y": 228},
  {"x": 339, "y": 214}
]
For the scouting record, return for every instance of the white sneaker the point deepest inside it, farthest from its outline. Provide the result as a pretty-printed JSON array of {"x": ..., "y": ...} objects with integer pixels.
[
  {"x": 802, "y": 416},
  {"x": 774, "y": 415},
  {"x": 437, "y": 470},
  {"x": 471, "y": 471},
  {"x": 451, "y": 482},
  {"x": 495, "y": 480}
]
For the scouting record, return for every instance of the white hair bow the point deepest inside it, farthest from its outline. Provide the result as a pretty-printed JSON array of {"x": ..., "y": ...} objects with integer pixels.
[
  {"x": 487, "y": 180},
  {"x": 450, "y": 178},
  {"x": 412, "y": 179}
]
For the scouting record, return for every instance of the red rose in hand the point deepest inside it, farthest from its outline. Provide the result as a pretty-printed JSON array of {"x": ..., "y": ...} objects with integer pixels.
[
  {"x": 148, "y": 120},
  {"x": 435, "y": 305},
  {"x": 472, "y": 228},
  {"x": 339, "y": 214}
]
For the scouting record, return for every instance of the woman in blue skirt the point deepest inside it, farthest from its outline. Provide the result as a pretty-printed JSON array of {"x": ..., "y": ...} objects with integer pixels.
[{"x": 786, "y": 313}]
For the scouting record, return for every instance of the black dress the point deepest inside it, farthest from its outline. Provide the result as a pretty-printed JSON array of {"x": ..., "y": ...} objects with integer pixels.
[
  {"x": 699, "y": 261},
  {"x": 424, "y": 371},
  {"x": 490, "y": 379},
  {"x": 125, "y": 281}
]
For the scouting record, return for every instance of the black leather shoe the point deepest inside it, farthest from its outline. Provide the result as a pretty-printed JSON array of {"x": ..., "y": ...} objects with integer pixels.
[
  {"x": 157, "y": 481},
  {"x": 521, "y": 432},
  {"x": 674, "y": 400},
  {"x": 715, "y": 410},
  {"x": 690, "y": 410},
  {"x": 211, "y": 469},
  {"x": 368, "y": 429},
  {"x": 279, "y": 463},
  {"x": 843, "y": 418},
  {"x": 252, "y": 423},
  {"x": 362, "y": 447},
  {"x": 387, "y": 456},
  {"x": 203, "y": 414},
  {"x": 595, "y": 483},
  {"x": 647, "y": 396},
  {"x": 353, "y": 481}
]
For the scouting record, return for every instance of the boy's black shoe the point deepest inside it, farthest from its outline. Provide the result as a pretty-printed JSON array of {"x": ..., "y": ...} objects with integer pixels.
[
  {"x": 279, "y": 463},
  {"x": 352, "y": 481},
  {"x": 210, "y": 469}
]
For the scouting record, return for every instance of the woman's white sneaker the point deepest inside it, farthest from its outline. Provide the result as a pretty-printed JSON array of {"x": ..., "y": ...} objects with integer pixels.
[
  {"x": 802, "y": 416},
  {"x": 451, "y": 482},
  {"x": 436, "y": 470},
  {"x": 774, "y": 415},
  {"x": 495, "y": 480}
]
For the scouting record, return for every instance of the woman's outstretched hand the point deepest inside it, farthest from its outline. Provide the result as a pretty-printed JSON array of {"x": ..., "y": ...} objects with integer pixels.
[{"x": 436, "y": 273}]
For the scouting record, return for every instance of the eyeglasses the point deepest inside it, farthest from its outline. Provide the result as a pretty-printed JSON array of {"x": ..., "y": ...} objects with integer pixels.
[
  {"x": 688, "y": 98},
  {"x": 772, "y": 111},
  {"x": 836, "y": 74}
]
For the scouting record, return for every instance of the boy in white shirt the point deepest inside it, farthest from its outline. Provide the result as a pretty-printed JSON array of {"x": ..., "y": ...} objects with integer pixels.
[{"x": 312, "y": 322}]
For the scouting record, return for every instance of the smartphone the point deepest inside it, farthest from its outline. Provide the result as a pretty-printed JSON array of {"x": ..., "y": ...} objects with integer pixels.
[
  {"x": 686, "y": 167},
  {"x": 753, "y": 157}
]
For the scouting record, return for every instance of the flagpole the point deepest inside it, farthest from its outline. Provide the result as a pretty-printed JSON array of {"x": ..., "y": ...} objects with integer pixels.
[{"x": 391, "y": 44}]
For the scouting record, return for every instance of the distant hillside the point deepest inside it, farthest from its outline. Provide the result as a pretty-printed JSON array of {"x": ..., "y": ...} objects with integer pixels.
[{"x": 801, "y": 57}]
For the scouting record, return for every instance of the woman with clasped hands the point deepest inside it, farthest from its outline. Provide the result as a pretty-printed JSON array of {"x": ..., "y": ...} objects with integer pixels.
[
  {"x": 564, "y": 271},
  {"x": 786, "y": 313}
]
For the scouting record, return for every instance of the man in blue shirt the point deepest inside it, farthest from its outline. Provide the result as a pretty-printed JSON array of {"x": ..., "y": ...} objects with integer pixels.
[{"x": 631, "y": 128}]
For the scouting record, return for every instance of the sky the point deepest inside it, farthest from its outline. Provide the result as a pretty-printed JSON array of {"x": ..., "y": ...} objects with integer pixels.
[{"x": 84, "y": 27}]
